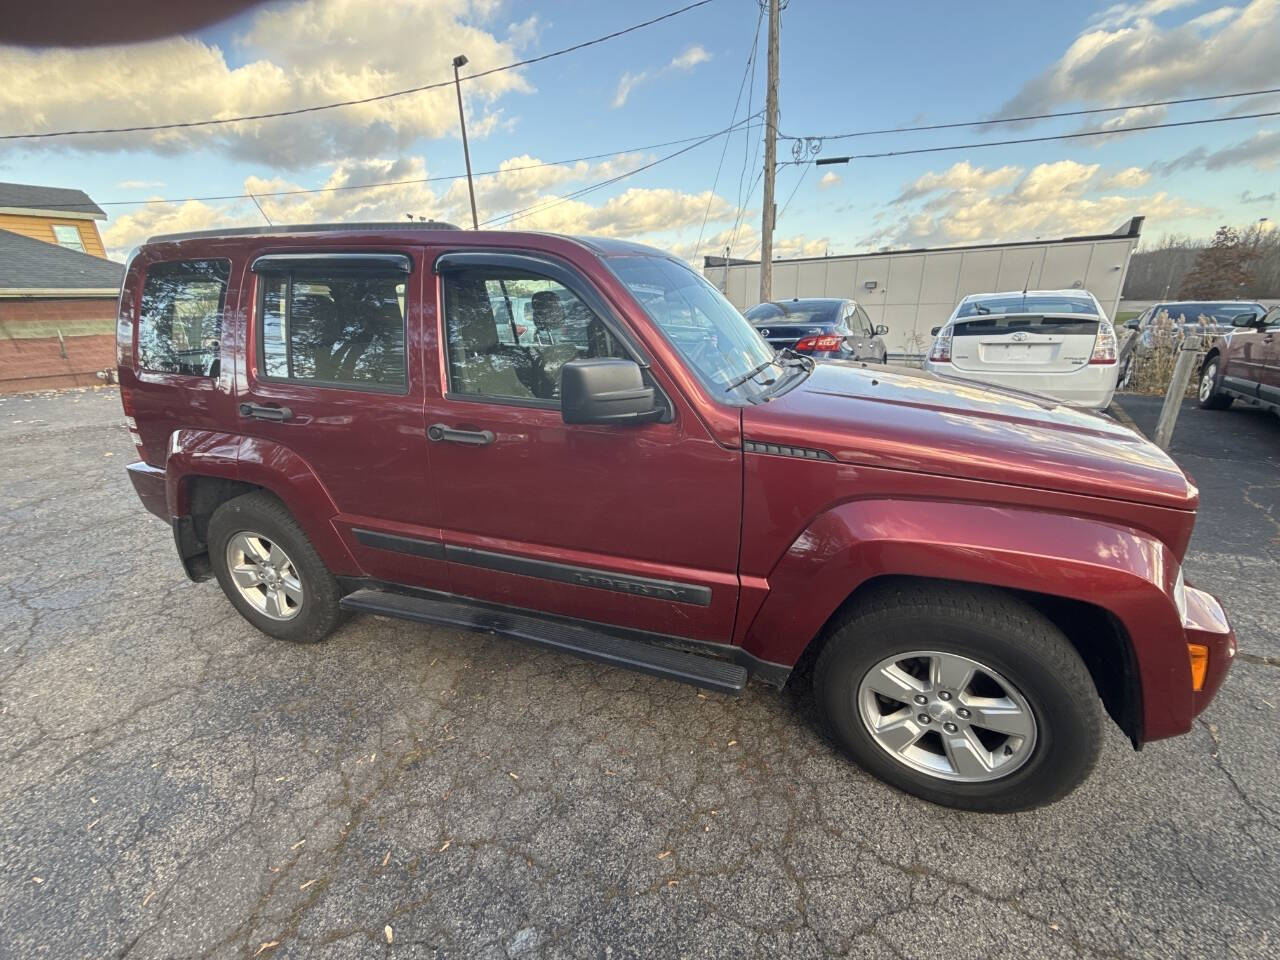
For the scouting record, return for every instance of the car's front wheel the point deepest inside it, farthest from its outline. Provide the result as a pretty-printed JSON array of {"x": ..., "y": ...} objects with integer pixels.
[
  {"x": 270, "y": 571},
  {"x": 1207, "y": 394},
  {"x": 964, "y": 696}
]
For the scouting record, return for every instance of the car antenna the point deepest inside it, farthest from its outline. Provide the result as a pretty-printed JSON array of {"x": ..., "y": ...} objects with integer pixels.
[{"x": 1030, "y": 266}]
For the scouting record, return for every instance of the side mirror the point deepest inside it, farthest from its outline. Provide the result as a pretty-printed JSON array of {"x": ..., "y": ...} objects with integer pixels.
[
  {"x": 882, "y": 330},
  {"x": 934, "y": 331},
  {"x": 1131, "y": 323},
  {"x": 605, "y": 390}
]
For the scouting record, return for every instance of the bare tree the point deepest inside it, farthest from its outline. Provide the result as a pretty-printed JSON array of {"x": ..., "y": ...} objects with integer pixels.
[{"x": 1222, "y": 271}]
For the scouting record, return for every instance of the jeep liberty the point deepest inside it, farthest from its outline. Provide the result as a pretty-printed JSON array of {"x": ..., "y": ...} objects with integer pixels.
[{"x": 580, "y": 443}]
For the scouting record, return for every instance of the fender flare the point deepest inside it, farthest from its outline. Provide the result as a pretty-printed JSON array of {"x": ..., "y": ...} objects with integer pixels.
[
  {"x": 1124, "y": 571},
  {"x": 261, "y": 463}
]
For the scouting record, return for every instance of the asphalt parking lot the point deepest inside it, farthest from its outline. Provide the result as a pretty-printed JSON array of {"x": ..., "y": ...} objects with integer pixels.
[{"x": 177, "y": 785}]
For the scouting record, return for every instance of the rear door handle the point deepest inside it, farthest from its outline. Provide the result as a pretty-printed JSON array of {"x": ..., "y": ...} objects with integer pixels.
[
  {"x": 472, "y": 438},
  {"x": 258, "y": 412}
]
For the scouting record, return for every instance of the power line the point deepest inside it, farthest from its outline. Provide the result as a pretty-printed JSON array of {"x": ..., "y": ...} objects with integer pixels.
[
  {"x": 351, "y": 103},
  {"x": 1037, "y": 116},
  {"x": 755, "y": 42},
  {"x": 781, "y": 213},
  {"x": 822, "y": 161},
  {"x": 541, "y": 206},
  {"x": 385, "y": 183}
]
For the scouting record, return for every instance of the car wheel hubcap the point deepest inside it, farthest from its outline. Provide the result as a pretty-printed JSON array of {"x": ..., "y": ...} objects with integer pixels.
[
  {"x": 264, "y": 575},
  {"x": 1206, "y": 381},
  {"x": 947, "y": 716}
]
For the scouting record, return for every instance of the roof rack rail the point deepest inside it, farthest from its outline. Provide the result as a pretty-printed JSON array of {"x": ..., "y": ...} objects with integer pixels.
[{"x": 347, "y": 227}]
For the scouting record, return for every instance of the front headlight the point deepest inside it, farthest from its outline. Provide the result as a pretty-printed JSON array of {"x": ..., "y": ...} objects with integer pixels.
[{"x": 1180, "y": 595}]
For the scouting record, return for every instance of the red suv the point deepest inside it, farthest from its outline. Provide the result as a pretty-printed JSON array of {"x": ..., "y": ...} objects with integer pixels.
[
  {"x": 1244, "y": 364},
  {"x": 581, "y": 444}
]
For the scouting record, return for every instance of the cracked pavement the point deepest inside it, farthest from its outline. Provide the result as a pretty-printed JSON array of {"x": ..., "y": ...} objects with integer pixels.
[{"x": 178, "y": 785}]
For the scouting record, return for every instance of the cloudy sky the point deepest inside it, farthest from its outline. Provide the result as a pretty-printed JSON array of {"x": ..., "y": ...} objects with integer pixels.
[{"x": 845, "y": 67}]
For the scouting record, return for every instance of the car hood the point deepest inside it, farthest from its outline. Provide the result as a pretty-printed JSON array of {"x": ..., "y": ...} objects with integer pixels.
[{"x": 911, "y": 420}]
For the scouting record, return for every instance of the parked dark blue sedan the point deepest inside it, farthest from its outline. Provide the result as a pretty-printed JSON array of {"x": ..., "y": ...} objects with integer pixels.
[{"x": 820, "y": 327}]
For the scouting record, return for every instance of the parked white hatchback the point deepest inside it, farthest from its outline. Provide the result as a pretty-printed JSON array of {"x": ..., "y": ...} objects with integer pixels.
[{"x": 1057, "y": 343}]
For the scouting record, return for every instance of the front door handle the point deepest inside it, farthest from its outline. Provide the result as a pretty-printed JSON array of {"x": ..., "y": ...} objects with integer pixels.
[
  {"x": 472, "y": 438},
  {"x": 259, "y": 412}
]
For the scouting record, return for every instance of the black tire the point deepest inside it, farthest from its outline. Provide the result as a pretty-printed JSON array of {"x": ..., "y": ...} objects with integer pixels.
[
  {"x": 262, "y": 514},
  {"x": 1211, "y": 397},
  {"x": 999, "y": 632}
]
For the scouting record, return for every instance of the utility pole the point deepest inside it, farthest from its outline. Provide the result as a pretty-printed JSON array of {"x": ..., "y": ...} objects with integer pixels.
[
  {"x": 461, "y": 61},
  {"x": 770, "y": 156}
]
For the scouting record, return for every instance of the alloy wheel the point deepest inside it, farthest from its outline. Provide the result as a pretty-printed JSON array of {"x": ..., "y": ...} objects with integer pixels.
[
  {"x": 1206, "y": 381},
  {"x": 264, "y": 575},
  {"x": 947, "y": 716}
]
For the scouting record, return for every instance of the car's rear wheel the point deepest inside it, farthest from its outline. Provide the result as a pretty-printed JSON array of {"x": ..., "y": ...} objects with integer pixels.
[
  {"x": 964, "y": 696},
  {"x": 270, "y": 571},
  {"x": 1207, "y": 394}
]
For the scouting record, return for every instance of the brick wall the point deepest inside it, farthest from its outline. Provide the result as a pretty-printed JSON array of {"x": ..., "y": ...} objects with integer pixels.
[{"x": 31, "y": 356}]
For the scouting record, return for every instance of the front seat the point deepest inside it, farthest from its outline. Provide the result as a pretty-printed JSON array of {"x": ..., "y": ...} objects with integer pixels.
[
  {"x": 548, "y": 334},
  {"x": 483, "y": 366}
]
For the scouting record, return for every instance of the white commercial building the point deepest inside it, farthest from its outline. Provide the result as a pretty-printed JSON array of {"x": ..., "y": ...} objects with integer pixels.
[{"x": 913, "y": 291}]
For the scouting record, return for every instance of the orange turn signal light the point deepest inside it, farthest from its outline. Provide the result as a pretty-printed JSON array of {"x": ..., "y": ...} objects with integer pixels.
[{"x": 1199, "y": 664}]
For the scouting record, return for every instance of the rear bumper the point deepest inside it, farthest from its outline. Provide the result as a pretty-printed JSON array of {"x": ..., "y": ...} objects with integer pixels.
[
  {"x": 148, "y": 483},
  {"x": 1206, "y": 623},
  {"x": 1090, "y": 387}
]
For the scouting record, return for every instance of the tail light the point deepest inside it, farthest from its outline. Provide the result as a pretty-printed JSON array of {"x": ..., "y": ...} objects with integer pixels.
[
  {"x": 1104, "y": 344},
  {"x": 823, "y": 344},
  {"x": 941, "y": 351}
]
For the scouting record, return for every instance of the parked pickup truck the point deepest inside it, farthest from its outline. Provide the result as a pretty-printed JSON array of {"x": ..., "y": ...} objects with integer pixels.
[{"x": 332, "y": 419}]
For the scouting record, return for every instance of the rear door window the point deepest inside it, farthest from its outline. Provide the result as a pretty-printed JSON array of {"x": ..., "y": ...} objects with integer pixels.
[
  {"x": 341, "y": 328},
  {"x": 180, "y": 320}
]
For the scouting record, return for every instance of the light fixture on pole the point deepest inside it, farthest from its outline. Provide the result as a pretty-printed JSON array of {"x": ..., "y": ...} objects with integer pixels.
[{"x": 458, "y": 62}]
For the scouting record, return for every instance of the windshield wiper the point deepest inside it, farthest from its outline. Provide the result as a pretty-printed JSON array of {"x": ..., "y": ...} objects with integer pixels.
[
  {"x": 790, "y": 354},
  {"x": 751, "y": 373}
]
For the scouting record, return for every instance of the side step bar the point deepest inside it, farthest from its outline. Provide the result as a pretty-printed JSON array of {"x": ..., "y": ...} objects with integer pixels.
[{"x": 657, "y": 661}]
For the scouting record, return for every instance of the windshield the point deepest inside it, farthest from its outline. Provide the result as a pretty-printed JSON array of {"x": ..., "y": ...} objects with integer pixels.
[
  {"x": 1217, "y": 312},
  {"x": 1031, "y": 304},
  {"x": 711, "y": 335}
]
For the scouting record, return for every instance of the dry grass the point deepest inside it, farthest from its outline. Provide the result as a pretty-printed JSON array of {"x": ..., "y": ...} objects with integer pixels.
[{"x": 1153, "y": 361}]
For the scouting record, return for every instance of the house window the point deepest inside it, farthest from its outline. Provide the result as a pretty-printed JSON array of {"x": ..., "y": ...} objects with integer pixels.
[
  {"x": 180, "y": 323},
  {"x": 68, "y": 236},
  {"x": 344, "y": 328}
]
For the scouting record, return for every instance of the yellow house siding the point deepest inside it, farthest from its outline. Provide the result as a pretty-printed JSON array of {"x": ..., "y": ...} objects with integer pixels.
[{"x": 41, "y": 228}]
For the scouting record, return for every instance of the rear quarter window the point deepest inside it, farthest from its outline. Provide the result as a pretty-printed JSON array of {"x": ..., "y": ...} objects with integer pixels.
[{"x": 180, "y": 317}]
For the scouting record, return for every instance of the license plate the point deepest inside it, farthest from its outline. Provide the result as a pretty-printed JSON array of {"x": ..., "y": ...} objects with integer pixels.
[{"x": 1017, "y": 352}]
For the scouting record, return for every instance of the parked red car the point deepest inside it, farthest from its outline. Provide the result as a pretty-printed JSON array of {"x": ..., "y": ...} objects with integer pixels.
[
  {"x": 335, "y": 418},
  {"x": 1244, "y": 364}
]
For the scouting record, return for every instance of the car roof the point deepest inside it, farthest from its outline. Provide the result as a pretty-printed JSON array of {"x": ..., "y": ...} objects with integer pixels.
[{"x": 420, "y": 230}]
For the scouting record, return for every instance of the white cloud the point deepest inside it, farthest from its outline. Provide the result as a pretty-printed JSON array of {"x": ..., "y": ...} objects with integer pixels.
[
  {"x": 626, "y": 83},
  {"x": 1261, "y": 151},
  {"x": 959, "y": 176},
  {"x": 1126, "y": 55},
  {"x": 656, "y": 214},
  {"x": 1129, "y": 178},
  {"x": 524, "y": 33},
  {"x": 687, "y": 60},
  {"x": 829, "y": 179},
  {"x": 296, "y": 54},
  {"x": 690, "y": 58},
  {"x": 968, "y": 204}
]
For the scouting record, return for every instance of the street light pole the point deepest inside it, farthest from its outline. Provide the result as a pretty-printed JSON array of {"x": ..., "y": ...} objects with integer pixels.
[{"x": 461, "y": 61}]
